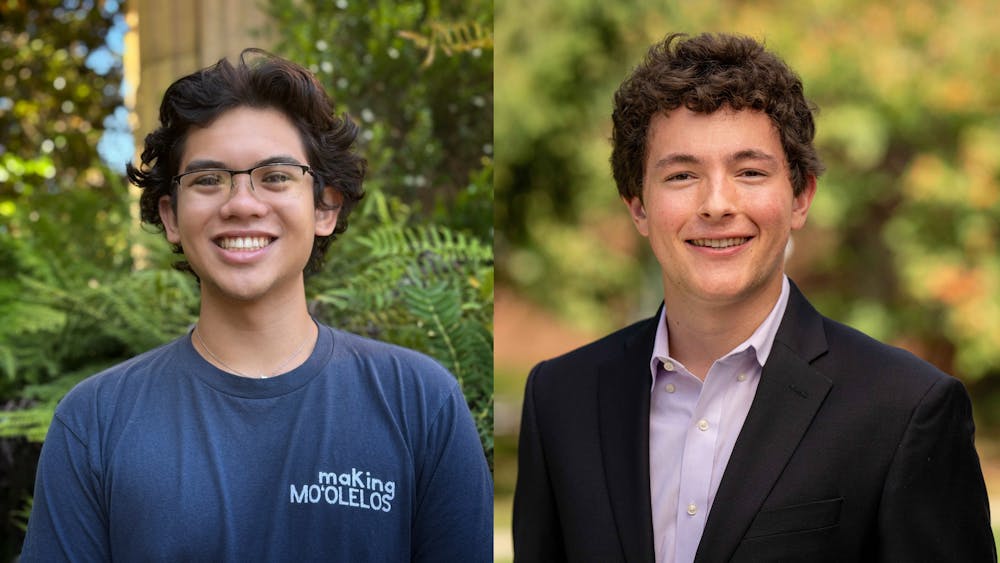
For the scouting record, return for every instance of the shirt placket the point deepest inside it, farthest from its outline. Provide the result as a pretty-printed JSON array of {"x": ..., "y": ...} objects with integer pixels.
[
  {"x": 700, "y": 445},
  {"x": 673, "y": 404}
]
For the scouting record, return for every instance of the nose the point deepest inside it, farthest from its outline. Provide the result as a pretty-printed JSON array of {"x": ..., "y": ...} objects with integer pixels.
[
  {"x": 718, "y": 199},
  {"x": 242, "y": 200}
]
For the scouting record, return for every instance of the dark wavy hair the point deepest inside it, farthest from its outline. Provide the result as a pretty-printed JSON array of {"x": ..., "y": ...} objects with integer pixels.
[
  {"x": 260, "y": 80},
  {"x": 706, "y": 73}
]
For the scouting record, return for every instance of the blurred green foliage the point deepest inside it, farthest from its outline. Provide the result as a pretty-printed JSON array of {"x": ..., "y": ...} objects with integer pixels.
[
  {"x": 63, "y": 214},
  {"x": 903, "y": 238},
  {"x": 427, "y": 122}
]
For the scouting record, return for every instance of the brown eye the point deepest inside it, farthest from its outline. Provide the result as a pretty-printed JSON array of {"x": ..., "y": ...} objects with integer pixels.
[
  {"x": 210, "y": 179},
  {"x": 276, "y": 178},
  {"x": 206, "y": 180}
]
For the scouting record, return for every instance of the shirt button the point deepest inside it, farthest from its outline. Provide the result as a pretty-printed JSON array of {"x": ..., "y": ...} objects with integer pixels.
[
  {"x": 741, "y": 377},
  {"x": 703, "y": 425},
  {"x": 669, "y": 388},
  {"x": 692, "y": 509},
  {"x": 668, "y": 365}
]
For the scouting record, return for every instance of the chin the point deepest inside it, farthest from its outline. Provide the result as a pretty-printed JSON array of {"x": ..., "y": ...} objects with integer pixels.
[
  {"x": 726, "y": 291},
  {"x": 233, "y": 290}
]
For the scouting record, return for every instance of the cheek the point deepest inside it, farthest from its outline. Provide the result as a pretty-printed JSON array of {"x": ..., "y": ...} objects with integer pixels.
[
  {"x": 771, "y": 212},
  {"x": 664, "y": 220},
  {"x": 778, "y": 214},
  {"x": 191, "y": 220}
]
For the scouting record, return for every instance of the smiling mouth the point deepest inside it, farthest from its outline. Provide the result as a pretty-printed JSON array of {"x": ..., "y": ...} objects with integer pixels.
[
  {"x": 243, "y": 243},
  {"x": 719, "y": 242}
]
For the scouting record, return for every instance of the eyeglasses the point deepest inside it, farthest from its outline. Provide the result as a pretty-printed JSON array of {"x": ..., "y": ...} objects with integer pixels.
[{"x": 268, "y": 182}]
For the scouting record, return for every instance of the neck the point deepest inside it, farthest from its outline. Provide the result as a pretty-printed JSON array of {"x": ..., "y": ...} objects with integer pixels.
[
  {"x": 255, "y": 339},
  {"x": 702, "y": 332}
]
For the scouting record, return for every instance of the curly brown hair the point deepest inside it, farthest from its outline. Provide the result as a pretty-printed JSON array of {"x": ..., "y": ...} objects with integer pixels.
[
  {"x": 260, "y": 80},
  {"x": 706, "y": 73}
]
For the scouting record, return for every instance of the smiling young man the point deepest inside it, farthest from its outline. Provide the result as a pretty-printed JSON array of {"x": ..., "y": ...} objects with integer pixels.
[
  {"x": 737, "y": 424},
  {"x": 261, "y": 435}
]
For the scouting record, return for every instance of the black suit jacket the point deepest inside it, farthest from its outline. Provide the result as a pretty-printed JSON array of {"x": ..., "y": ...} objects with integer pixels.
[{"x": 852, "y": 451}]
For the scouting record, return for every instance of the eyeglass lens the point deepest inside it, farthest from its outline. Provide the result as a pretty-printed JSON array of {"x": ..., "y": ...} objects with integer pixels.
[{"x": 272, "y": 181}]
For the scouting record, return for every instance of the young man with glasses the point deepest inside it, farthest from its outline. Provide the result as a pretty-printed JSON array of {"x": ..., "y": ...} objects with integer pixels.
[{"x": 261, "y": 435}]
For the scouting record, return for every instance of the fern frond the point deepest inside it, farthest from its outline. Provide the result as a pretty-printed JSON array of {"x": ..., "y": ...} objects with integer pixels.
[
  {"x": 393, "y": 240},
  {"x": 32, "y": 423},
  {"x": 451, "y": 37},
  {"x": 8, "y": 361},
  {"x": 19, "y": 517},
  {"x": 142, "y": 309},
  {"x": 464, "y": 347}
]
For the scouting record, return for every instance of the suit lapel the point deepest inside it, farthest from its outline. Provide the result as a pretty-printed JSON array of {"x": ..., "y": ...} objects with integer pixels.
[
  {"x": 623, "y": 419},
  {"x": 788, "y": 396}
]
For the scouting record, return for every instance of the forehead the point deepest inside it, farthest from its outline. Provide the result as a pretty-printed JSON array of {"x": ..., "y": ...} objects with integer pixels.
[
  {"x": 711, "y": 135},
  {"x": 242, "y": 136}
]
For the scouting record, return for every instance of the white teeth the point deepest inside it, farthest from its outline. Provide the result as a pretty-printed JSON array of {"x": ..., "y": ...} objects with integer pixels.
[
  {"x": 244, "y": 243},
  {"x": 720, "y": 243}
]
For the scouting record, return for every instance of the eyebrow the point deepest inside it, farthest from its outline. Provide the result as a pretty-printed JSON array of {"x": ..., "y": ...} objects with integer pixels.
[
  {"x": 205, "y": 164},
  {"x": 676, "y": 158},
  {"x": 753, "y": 154},
  {"x": 685, "y": 158}
]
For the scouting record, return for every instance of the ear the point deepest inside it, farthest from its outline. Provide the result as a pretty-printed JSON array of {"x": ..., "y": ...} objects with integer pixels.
[
  {"x": 168, "y": 215},
  {"x": 802, "y": 202},
  {"x": 326, "y": 216},
  {"x": 638, "y": 212}
]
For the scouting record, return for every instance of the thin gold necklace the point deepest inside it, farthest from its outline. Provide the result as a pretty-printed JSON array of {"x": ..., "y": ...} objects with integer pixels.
[{"x": 275, "y": 371}]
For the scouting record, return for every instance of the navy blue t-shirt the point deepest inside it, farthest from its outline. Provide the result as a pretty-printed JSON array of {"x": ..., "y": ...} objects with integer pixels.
[{"x": 366, "y": 452}]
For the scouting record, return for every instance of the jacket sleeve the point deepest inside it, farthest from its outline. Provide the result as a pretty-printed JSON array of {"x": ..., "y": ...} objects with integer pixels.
[
  {"x": 934, "y": 505},
  {"x": 67, "y": 521},
  {"x": 536, "y": 529}
]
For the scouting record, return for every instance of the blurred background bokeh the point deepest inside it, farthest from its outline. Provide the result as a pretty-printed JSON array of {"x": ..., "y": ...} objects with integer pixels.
[
  {"x": 902, "y": 240},
  {"x": 82, "y": 287}
]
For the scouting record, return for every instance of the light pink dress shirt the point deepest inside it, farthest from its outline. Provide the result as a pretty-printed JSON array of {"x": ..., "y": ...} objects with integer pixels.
[{"x": 693, "y": 427}]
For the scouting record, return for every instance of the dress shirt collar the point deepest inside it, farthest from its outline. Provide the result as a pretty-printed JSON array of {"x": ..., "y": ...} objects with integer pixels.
[{"x": 761, "y": 340}]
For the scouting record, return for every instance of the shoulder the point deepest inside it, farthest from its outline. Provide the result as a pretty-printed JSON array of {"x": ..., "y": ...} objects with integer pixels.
[
  {"x": 854, "y": 361},
  {"x": 124, "y": 377},
  {"x": 882, "y": 378},
  {"x": 388, "y": 360},
  {"x": 389, "y": 372},
  {"x": 608, "y": 346},
  {"x": 117, "y": 389},
  {"x": 853, "y": 348},
  {"x": 582, "y": 365},
  {"x": 383, "y": 383}
]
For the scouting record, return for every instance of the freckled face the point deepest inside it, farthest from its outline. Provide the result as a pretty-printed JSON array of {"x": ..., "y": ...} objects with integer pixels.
[
  {"x": 718, "y": 206},
  {"x": 245, "y": 248}
]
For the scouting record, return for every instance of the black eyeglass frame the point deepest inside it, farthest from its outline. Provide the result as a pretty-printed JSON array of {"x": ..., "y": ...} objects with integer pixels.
[{"x": 306, "y": 169}]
